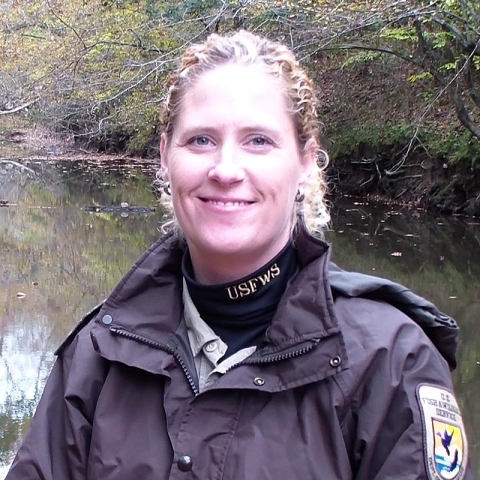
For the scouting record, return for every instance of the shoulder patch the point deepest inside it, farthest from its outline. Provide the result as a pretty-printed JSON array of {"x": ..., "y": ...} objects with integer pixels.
[{"x": 444, "y": 439}]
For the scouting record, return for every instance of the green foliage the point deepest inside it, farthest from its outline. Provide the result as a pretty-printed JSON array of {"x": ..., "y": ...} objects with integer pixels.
[
  {"x": 371, "y": 140},
  {"x": 440, "y": 39},
  {"x": 375, "y": 141},
  {"x": 361, "y": 57},
  {"x": 178, "y": 11},
  {"x": 419, "y": 77},
  {"x": 98, "y": 67},
  {"x": 448, "y": 67},
  {"x": 455, "y": 147},
  {"x": 142, "y": 130},
  {"x": 95, "y": 68},
  {"x": 400, "y": 34}
]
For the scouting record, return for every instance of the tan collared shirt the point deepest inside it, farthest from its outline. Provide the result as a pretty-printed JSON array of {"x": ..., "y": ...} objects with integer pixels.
[{"x": 207, "y": 347}]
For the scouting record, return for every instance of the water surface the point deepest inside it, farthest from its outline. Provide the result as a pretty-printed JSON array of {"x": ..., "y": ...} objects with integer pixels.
[{"x": 57, "y": 261}]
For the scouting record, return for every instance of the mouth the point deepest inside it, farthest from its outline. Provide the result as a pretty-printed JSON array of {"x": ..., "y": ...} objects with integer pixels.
[
  {"x": 233, "y": 203},
  {"x": 227, "y": 204}
]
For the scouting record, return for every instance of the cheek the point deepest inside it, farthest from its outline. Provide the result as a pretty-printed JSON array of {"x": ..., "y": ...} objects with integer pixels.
[
  {"x": 183, "y": 173},
  {"x": 175, "y": 165},
  {"x": 183, "y": 160},
  {"x": 284, "y": 181},
  {"x": 180, "y": 182}
]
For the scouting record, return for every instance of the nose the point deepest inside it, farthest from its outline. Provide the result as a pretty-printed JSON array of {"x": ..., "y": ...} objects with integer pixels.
[{"x": 227, "y": 168}]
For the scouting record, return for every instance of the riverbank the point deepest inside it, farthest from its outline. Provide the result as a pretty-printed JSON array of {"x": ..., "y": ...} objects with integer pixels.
[
  {"x": 391, "y": 135},
  {"x": 22, "y": 140},
  {"x": 388, "y": 139},
  {"x": 386, "y": 177}
]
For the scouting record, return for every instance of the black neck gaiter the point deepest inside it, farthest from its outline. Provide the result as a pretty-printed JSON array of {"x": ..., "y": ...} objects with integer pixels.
[{"x": 240, "y": 312}]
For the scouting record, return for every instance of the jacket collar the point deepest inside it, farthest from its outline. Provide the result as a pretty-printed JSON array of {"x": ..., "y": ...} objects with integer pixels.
[
  {"x": 439, "y": 327},
  {"x": 147, "y": 303}
]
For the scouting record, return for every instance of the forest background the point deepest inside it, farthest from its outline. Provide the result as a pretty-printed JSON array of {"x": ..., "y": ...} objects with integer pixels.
[{"x": 398, "y": 81}]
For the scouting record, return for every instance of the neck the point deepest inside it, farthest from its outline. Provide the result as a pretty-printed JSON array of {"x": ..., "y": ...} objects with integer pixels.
[
  {"x": 245, "y": 295},
  {"x": 239, "y": 312},
  {"x": 219, "y": 269}
]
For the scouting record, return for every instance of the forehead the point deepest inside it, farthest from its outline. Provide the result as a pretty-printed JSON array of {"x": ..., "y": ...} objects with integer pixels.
[
  {"x": 235, "y": 89},
  {"x": 237, "y": 73}
]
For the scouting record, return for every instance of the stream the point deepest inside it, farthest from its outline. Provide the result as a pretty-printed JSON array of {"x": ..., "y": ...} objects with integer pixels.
[{"x": 58, "y": 259}]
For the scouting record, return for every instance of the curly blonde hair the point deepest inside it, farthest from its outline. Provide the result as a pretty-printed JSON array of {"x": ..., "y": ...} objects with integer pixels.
[{"x": 245, "y": 48}]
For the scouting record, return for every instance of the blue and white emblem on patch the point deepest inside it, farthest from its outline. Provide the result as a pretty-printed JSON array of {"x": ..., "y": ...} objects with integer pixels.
[{"x": 445, "y": 442}]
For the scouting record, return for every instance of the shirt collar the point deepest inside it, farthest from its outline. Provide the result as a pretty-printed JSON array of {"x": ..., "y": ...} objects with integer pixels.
[{"x": 199, "y": 333}]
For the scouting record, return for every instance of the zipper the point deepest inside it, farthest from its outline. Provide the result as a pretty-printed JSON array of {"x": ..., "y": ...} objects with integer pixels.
[
  {"x": 157, "y": 346},
  {"x": 278, "y": 357},
  {"x": 248, "y": 361}
]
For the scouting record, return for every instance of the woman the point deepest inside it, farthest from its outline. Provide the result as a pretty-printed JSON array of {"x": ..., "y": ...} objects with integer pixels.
[{"x": 233, "y": 349}]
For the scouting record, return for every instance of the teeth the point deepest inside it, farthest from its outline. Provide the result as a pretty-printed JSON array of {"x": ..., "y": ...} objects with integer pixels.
[{"x": 228, "y": 204}]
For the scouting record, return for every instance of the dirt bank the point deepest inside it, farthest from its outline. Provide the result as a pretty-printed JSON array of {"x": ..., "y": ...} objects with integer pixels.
[
  {"x": 425, "y": 184},
  {"x": 21, "y": 140},
  {"x": 387, "y": 138},
  {"x": 392, "y": 138}
]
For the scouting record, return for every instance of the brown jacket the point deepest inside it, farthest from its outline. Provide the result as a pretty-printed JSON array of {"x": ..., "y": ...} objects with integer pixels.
[{"x": 332, "y": 396}]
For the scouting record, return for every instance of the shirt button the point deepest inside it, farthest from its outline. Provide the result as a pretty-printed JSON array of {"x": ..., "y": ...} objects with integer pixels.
[
  {"x": 210, "y": 347},
  {"x": 185, "y": 463},
  {"x": 107, "y": 319}
]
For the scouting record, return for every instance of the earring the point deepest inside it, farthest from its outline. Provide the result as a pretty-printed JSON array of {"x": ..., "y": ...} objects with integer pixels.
[
  {"x": 166, "y": 188},
  {"x": 300, "y": 196}
]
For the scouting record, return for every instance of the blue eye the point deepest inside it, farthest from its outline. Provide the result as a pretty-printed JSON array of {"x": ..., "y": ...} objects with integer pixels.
[
  {"x": 260, "y": 141},
  {"x": 201, "y": 141}
]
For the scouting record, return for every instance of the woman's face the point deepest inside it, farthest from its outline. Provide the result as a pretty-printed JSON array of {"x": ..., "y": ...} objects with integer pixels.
[{"x": 234, "y": 167}]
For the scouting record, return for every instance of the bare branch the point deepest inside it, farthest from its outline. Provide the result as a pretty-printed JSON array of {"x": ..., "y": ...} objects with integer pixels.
[
  {"x": 138, "y": 46},
  {"x": 370, "y": 48},
  {"x": 17, "y": 109},
  {"x": 66, "y": 24}
]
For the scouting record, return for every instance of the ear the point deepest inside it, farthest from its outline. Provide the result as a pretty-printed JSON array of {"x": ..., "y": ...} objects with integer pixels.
[
  {"x": 164, "y": 156},
  {"x": 308, "y": 159}
]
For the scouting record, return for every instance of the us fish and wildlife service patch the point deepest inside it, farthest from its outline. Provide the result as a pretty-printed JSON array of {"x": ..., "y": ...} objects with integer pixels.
[{"x": 444, "y": 439}]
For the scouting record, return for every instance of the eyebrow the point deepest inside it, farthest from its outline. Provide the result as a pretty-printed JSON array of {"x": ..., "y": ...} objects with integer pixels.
[{"x": 208, "y": 129}]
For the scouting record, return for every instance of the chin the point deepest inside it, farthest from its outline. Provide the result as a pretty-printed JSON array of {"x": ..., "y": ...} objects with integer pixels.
[
  {"x": 229, "y": 247},
  {"x": 222, "y": 244}
]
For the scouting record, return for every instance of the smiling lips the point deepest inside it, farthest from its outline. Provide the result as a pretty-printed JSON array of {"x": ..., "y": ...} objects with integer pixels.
[{"x": 227, "y": 203}]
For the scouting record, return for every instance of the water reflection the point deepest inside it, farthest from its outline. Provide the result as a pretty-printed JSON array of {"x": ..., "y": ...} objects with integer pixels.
[
  {"x": 57, "y": 261},
  {"x": 435, "y": 257}
]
